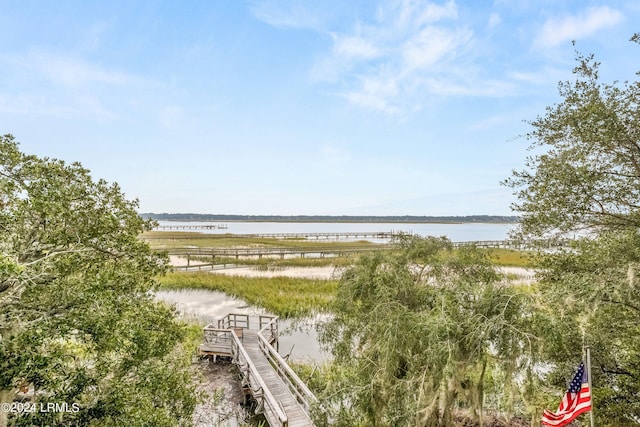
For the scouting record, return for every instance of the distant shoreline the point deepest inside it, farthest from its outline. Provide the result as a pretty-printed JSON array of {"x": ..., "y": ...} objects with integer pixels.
[{"x": 408, "y": 219}]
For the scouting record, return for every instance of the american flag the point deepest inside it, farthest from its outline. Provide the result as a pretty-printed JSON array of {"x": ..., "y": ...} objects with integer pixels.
[{"x": 576, "y": 401}]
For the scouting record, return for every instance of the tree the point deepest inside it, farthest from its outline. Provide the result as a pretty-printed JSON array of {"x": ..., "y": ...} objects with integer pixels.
[
  {"x": 588, "y": 176},
  {"x": 585, "y": 183},
  {"x": 590, "y": 296},
  {"x": 78, "y": 323},
  {"x": 417, "y": 332}
]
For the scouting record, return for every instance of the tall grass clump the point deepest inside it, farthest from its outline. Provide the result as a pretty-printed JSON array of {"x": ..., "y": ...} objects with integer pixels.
[
  {"x": 337, "y": 261},
  {"x": 510, "y": 257},
  {"x": 287, "y": 297}
]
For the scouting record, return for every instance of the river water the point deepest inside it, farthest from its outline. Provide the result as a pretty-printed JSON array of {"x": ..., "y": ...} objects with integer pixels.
[
  {"x": 462, "y": 232},
  {"x": 298, "y": 338}
]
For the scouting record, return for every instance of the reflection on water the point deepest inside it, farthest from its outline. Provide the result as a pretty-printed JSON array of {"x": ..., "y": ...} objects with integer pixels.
[
  {"x": 298, "y": 338},
  {"x": 207, "y": 303}
]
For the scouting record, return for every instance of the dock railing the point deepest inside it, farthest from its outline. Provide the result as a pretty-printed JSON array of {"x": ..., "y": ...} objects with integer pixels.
[
  {"x": 217, "y": 341},
  {"x": 234, "y": 321},
  {"x": 269, "y": 328},
  {"x": 298, "y": 388},
  {"x": 266, "y": 402},
  {"x": 227, "y": 339}
]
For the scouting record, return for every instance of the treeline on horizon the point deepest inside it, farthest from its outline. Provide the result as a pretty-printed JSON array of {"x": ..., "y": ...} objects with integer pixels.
[{"x": 331, "y": 218}]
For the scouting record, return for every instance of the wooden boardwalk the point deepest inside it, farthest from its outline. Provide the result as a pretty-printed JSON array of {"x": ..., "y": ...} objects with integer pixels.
[
  {"x": 386, "y": 235},
  {"x": 217, "y": 256},
  {"x": 280, "y": 395},
  {"x": 206, "y": 259},
  {"x": 322, "y": 236},
  {"x": 190, "y": 227}
]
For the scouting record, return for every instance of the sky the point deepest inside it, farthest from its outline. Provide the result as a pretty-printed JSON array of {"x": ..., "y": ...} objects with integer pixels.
[{"x": 294, "y": 107}]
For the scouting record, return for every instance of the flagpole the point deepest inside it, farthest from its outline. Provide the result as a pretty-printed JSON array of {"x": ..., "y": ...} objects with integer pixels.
[{"x": 588, "y": 349}]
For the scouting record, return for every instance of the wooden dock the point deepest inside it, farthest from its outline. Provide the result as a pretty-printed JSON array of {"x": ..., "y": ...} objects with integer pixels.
[
  {"x": 211, "y": 255},
  {"x": 323, "y": 236},
  {"x": 381, "y": 235},
  {"x": 279, "y": 394},
  {"x": 204, "y": 259},
  {"x": 190, "y": 227}
]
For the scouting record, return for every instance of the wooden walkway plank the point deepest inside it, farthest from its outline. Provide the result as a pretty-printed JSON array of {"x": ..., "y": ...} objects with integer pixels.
[
  {"x": 280, "y": 394},
  {"x": 295, "y": 414}
]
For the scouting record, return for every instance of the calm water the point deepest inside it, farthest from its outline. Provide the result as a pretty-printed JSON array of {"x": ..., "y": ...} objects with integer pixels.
[
  {"x": 455, "y": 232},
  {"x": 298, "y": 339}
]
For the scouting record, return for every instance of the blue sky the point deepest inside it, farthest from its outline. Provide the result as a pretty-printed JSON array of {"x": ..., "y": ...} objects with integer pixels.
[{"x": 299, "y": 107}]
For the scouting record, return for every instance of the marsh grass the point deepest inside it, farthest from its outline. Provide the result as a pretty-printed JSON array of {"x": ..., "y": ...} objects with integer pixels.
[
  {"x": 287, "y": 297},
  {"x": 268, "y": 263},
  {"x": 181, "y": 239},
  {"x": 511, "y": 257},
  {"x": 500, "y": 257}
]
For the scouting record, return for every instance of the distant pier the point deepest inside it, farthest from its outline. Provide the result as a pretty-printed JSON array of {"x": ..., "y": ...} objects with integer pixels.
[
  {"x": 190, "y": 227},
  {"x": 387, "y": 235}
]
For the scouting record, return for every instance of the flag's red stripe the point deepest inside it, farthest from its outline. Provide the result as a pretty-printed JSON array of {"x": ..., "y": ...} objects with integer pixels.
[
  {"x": 571, "y": 406},
  {"x": 569, "y": 417}
]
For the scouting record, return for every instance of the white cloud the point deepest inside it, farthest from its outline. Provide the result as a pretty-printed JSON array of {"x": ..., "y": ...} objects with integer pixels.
[
  {"x": 288, "y": 14},
  {"x": 494, "y": 20},
  {"x": 355, "y": 47},
  {"x": 84, "y": 108},
  {"x": 556, "y": 31},
  {"x": 545, "y": 76},
  {"x": 405, "y": 54},
  {"x": 379, "y": 64},
  {"x": 411, "y": 13},
  {"x": 434, "y": 13},
  {"x": 460, "y": 86},
  {"x": 431, "y": 46},
  {"x": 375, "y": 94},
  {"x": 61, "y": 86},
  {"x": 64, "y": 70},
  {"x": 369, "y": 101},
  {"x": 74, "y": 72}
]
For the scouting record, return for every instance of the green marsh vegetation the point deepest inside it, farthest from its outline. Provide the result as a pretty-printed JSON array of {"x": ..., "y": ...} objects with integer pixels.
[
  {"x": 499, "y": 257},
  {"x": 297, "y": 297},
  {"x": 167, "y": 240},
  {"x": 284, "y": 296},
  {"x": 266, "y": 264},
  {"x": 289, "y": 296},
  {"x": 510, "y": 257}
]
